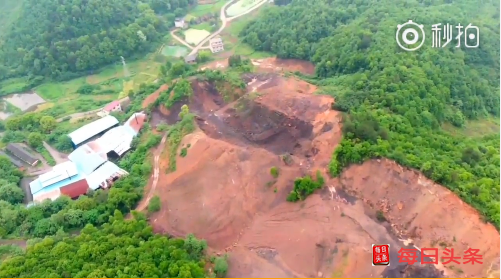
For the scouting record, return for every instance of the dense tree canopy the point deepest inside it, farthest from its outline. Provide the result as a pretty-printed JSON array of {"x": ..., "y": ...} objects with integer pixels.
[
  {"x": 397, "y": 101},
  {"x": 56, "y": 39},
  {"x": 116, "y": 250}
]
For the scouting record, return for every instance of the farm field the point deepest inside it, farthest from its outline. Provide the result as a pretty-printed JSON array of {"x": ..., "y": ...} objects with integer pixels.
[
  {"x": 240, "y": 7},
  {"x": 174, "y": 51},
  {"x": 204, "y": 26},
  {"x": 204, "y": 9},
  {"x": 195, "y": 36}
]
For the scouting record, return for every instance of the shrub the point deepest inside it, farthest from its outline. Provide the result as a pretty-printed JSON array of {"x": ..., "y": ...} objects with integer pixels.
[
  {"x": 154, "y": 204},
  {"x": 184, "y": 152},
  {"x": 274, "y": 172},
  {"x": 305, "y": 186},
  {"x": 221, "y": 266}
]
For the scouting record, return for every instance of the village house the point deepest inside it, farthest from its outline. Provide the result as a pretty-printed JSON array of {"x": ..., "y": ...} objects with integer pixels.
[
  {"x": 111, "y": 107},
  {"x": 216, "y": 45},
  {"x": 179, "y": 23},
  {"x": 191, "y": 59}
]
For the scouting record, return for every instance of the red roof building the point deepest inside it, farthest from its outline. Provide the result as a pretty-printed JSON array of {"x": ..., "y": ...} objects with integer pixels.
[{"x": 113, "y": 106}]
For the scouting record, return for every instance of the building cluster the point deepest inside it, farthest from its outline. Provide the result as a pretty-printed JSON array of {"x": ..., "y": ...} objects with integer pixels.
[{"x": 89, "y": 166}]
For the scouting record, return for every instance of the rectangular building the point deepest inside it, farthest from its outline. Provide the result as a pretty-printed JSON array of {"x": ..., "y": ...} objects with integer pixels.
[
  {"x": 19, "y": 152},
  {"x": 216, "y": 45},
  {"x": 92, "y": 130},
  {"x": 179, "y": 23}
]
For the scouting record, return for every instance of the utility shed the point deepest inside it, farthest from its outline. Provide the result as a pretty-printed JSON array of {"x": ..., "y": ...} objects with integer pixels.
[
  {"x": 19, "y": 152},
  {"x": 93, "y": 129}
]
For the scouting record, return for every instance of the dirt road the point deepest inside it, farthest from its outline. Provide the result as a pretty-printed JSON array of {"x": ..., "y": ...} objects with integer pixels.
[
  {"x": 78, "y": 115},
  {"x": 173, "y": 34},
  {"x": 224, "y": 21},
  {"x": 156, "y": 168},
  {"x": 58, "y": 156}
]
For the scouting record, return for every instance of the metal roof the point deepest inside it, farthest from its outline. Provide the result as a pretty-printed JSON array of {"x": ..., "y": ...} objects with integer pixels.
[
  {"x": 98, "y": 177},
  {"x": 88, "y": 131},
  {"x": 119, "y": 139},
  {"x": 58, "y": 173},
  {"x": 37, "y": 186},
  {"x": 21, "y": 153},
  {"x": 86, "y": 159}
]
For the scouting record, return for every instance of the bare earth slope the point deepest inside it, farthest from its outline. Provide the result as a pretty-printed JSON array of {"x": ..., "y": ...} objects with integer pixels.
[{"x": 222, "y": 191}]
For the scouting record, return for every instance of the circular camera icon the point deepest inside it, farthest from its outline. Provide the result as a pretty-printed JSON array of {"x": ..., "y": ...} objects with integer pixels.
[{"x": 410, "y": 36}]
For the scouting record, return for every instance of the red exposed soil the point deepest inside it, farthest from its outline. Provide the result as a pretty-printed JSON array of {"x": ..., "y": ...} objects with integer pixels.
[
  {"x": 154, "y": 96},
  {"x": 269, "y": 65},
  {"x": 222, "y": 191},
  {"x": 290, "y": 65}
]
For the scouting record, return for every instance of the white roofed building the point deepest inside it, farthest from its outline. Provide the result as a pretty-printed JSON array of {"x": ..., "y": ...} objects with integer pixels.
[{"x": 93, "y": 129}]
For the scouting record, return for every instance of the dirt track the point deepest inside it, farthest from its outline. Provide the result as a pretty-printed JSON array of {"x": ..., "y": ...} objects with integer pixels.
[{"x": 222, "y": 191}]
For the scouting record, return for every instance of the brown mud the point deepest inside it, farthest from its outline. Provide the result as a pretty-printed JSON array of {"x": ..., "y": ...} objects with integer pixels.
[{"x": 222, "y": 191}]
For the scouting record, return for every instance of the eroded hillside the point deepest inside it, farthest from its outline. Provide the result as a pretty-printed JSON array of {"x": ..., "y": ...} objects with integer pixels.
[{"x": 222, "y": 191}]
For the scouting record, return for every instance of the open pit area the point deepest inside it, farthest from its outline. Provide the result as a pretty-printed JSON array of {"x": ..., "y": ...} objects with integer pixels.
[{"x": 222, "y": 191}]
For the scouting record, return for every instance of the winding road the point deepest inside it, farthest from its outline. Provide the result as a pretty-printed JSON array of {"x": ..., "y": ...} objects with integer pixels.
[
  {"x": 156, "y": 168},
  {"x": 224, "y": 21}
]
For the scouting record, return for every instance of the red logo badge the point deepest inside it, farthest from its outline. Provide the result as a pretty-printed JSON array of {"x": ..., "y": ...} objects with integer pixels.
[{"x": 380, "y": 254}]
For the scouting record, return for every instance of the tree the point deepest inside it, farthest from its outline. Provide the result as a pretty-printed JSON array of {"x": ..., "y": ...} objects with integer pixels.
[
  {"x": 154, "y": 204},
  {"x": 10, "y": 192},
  {"x": 48, "y": 123},
  {"x": 184, "y": 111},
  {"x": 35, "y": 140}
]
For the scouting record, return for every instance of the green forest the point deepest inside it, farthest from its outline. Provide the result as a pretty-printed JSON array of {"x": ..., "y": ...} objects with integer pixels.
[
  {"x": 395, "y": 102},
  {"x": 62, "y": 39},
  {"x": 118, "y": 249}
]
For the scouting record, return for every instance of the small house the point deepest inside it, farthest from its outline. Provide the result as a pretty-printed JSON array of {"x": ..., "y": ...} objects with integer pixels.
[
  {"x": 179, "y": 23},
  {"x": 19, "y": 152},
  {"x": 216, "y": 45},
  {"x": 191, "y": 58},
  {"x": 111, "y": 107}
]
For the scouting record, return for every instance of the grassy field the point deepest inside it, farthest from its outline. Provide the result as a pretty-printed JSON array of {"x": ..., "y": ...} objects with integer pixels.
[
  {"x": 232, "y": 42},
  {"x": 13, "y": 85},
  {"x": 241, "y": 7},
  {"x": 62, "y": 97},
  {"x": 204, "y": 26},
  {"x": 475, "y": 128},
  {"x": 201, "y": 10},
  {"x": 174, "y": 51},
  {"x": 195, "y": 36}
]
